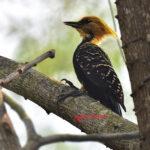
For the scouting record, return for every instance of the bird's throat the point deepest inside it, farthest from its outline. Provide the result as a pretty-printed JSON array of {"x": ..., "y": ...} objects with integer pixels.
[
  {"x": 93, "y": 39},
  {"x": 98, "y": 39}
]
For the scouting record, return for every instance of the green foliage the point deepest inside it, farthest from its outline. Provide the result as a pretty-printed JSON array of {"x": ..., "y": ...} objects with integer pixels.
[{"x": 31, "y": 48}]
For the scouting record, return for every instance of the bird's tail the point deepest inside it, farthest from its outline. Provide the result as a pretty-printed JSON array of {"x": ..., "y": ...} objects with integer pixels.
[
  {"x": 113, "y": 105},
  {"x": 118, "y": 109}
]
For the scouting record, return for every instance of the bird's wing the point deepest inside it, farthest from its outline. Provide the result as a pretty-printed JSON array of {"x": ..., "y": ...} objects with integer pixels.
[{"x": 97, "y": 67}]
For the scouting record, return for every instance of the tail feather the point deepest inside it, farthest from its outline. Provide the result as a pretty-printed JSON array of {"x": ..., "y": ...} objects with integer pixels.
[{"x": 113, "y": 105}]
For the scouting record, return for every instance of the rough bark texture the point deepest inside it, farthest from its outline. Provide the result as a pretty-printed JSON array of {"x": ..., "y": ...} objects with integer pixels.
[
  {"x": 8, "y": 137},
  {"x": 134, "y": 20},
  {"x": 44, "y": 92}
]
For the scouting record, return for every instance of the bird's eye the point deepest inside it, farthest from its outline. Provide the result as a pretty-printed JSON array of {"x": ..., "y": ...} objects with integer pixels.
[{"x": 85, "y": 21}]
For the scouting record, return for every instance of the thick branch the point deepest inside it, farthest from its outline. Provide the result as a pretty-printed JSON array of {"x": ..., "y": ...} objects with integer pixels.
[
  {"x": 35, "y": 141},
  {"x": 45, "y": 92}
]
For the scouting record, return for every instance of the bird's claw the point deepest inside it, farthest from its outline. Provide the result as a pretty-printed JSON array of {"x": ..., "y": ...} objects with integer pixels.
[
  {"x": 74, "y": 93},
  {"x": 69, "y": 83}
]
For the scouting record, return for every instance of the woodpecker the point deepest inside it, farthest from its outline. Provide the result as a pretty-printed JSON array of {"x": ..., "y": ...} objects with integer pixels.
[{"x": 93, "y": 66}]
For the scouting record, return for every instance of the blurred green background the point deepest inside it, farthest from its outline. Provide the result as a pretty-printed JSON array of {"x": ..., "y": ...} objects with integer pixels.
[
  {"x": 63, "y": 39},
  {"x": 29, "y": 28}
]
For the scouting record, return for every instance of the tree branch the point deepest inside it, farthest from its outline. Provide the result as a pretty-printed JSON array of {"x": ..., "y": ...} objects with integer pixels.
[
  {"x": 8, "y": 137},
  {"x": 23, "y": 68},
  {"x": 45, "y": 92},
  {"x": 85, "y": 138},
  {"x": 35, "y": 141},
  {"x": 31, "y": 133}
]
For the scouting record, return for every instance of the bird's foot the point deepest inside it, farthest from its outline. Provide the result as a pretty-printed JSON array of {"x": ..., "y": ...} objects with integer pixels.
[
  {"x": 69, "y": 83},
  {"x": 74, "y": 93}
]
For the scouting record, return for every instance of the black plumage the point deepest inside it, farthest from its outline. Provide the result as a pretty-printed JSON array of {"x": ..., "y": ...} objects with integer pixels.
[{"x": 95, "y": 72}]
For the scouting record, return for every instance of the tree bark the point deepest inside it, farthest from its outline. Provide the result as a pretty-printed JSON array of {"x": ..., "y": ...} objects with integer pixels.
[
  {"x": 45, "y": 92},
  {"x": 8, "y": 137},
  {"x": 134, "y": 20}
]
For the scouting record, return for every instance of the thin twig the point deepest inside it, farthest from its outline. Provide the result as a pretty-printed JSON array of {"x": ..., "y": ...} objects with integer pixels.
[
  {"x": 27, "y": 66},
  {"x": 115, "y": 28},
  {"x": 83, "y": 138},
  {"x": 24, "y": 117}
]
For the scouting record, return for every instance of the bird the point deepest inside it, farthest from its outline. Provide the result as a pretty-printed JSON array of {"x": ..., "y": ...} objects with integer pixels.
[{"x": 92, "y": 65}]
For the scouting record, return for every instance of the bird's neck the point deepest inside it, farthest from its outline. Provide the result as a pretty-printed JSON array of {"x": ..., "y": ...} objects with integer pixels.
[
  {"x": 88, "y": 38},
  {"x": 91, "y": 39}
]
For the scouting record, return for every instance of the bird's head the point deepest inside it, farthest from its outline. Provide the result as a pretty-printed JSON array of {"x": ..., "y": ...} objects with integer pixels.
[{"x": 92, "y": 26}]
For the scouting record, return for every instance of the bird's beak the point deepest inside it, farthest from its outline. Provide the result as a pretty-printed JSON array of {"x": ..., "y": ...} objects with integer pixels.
[{"x": 73, "y": 24}]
